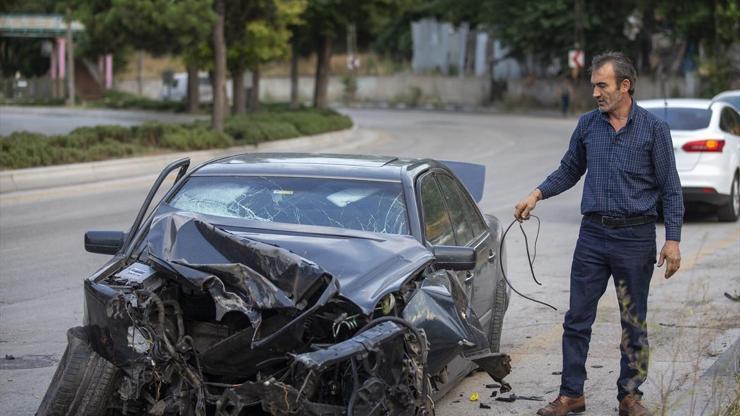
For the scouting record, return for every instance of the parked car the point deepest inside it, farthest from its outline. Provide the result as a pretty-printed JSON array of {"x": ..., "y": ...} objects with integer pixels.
[
  {"x": 706, "y": 143},
  {"x": 291, "y": 284},
  {"x": 176, "y": 89},
  {"x": 731, "y": 97}
]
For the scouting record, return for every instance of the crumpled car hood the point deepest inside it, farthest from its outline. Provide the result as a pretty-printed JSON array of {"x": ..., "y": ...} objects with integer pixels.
[{"x": 366, "y": 268}]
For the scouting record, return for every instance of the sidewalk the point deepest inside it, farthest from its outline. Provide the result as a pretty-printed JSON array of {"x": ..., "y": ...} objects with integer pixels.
[{"x": 19, "y": 180}]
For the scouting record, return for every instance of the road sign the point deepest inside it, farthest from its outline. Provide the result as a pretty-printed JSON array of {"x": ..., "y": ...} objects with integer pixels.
[{"x": 576, "y": 59}]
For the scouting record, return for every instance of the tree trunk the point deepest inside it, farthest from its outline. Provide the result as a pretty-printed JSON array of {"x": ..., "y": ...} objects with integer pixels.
[
  {"x": 254, "y": 93},
  {"x": 294, "y": 77},
  {"x": 240, "y": 98},
  {"x": 219, "y": 69},
  {"x": 323, "y": 62},
  {"x": 646, "y": 39},
  {"x": 70, "y": 63},
  {"x": 193, "y": 89},
  {"x": 140, "y": 73}
]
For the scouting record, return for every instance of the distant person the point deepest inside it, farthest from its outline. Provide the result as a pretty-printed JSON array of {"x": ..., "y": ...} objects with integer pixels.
[
  {"x": 566, "y": 91},
  {"x": 627, "y": 156}
]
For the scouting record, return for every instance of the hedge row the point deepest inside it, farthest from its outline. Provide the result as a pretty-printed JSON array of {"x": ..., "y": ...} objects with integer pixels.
[
  {"x": 282, "y": 123},
  {"x": 121, "y": 100},
  {"x": 87, "y": 144}
]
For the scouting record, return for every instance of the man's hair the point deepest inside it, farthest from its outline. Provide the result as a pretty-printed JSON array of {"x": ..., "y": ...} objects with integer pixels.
[{"x": 623, "y": 67}]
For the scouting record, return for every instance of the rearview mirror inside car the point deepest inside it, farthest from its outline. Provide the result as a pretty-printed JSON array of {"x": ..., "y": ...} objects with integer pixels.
[
  {"x": 454, "y": 258},
  {"x": 104, "y": 242}
]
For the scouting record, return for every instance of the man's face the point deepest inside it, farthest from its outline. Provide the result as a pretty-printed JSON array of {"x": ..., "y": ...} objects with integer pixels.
[{"x": 607, "y": 93}]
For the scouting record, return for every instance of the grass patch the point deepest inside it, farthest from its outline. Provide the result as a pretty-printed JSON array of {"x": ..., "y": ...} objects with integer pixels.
[{"x": 88, "y": 144}]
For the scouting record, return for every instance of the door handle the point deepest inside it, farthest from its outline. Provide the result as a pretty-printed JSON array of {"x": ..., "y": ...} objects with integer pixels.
[
  {"x": 491, "y": 256},
  {"x": 469, "y": 277}
]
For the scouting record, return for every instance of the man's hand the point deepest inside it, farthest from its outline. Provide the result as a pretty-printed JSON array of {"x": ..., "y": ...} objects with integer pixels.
[
  {"x": 526, "y": 205},
  {"x": 672, "y": 254}
]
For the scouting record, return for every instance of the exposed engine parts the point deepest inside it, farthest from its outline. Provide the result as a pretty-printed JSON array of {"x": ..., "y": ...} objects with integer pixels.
[{"x": 239, "y": 327}]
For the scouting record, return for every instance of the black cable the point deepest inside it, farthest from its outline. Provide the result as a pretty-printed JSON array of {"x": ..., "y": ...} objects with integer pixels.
[{"x": 531, "y": 261}]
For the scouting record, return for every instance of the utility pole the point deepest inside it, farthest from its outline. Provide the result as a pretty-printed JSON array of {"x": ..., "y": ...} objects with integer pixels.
[{"x": 70, "y": 62}]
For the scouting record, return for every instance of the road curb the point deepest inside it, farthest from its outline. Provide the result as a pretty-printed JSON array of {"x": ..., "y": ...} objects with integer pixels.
[{"x": 91, "y": 172}]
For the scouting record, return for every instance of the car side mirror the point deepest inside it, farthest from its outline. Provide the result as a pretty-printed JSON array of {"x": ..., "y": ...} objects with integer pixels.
[
  {"x": 104, "y": 242},
  {"x": 454, "y": 258}
]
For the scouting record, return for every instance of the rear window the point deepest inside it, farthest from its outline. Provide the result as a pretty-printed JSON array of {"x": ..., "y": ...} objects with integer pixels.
[
  {"x": 373, "y": 206},
  {"x": 683, "y": 118},
  {"x": 733, "y": 100}
]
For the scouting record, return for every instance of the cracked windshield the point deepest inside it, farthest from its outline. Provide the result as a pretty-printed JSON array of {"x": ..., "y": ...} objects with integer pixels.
[{"x": 358, "y": 205}]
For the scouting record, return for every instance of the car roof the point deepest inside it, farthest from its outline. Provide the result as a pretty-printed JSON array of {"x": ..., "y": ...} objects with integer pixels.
[
  {"x": 730, "y": 93},
  {"x": 313, "y": 164},
  {"x": 677, "y": 102}
]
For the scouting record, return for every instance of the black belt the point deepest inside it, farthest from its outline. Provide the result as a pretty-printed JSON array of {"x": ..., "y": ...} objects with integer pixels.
[{"x": 617, "y": 222}]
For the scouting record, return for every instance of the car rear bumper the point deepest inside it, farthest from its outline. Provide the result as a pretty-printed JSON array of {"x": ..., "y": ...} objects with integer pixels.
[{"x": 705, "y": 195}]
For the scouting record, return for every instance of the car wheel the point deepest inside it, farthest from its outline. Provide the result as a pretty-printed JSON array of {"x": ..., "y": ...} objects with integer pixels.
[
  {"x": 500, "y": 303},
  {"x": 729, "y": 212},
  {"x": 83, "y": 382}
]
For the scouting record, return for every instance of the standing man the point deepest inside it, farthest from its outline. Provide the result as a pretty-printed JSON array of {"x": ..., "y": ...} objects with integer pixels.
[{"x": 628, "y": 156}]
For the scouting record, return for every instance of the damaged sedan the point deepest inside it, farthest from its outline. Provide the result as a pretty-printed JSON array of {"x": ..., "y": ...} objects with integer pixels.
[{"x": 290, "y": 284}]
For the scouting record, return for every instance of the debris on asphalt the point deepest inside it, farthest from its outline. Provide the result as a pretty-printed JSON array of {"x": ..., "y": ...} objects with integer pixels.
[
  {"x": 557, "y": 373},
  {"x": 733, "y": 298},
  {"x": 456, "y": 401},
  {"x": 509, "y": 399},
  {"x": 493, "y": 386},
  {"x": 597, "y": 366},
  {"x": 9, "y": 357},
  {"x": 505, "y": 387},
  {"x": 514, "y": 397},
  {"x": 494, "y": 393},
  {"x": 474, "y": 397},
  {"x": 532, "y": 398},
  {"x": 484, "y": 406}
]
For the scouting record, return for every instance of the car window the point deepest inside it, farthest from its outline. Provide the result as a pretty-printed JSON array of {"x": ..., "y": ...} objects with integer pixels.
[
  {"x": 733, "y": 100},
  {"x": 461, "y": 224},
  {"x": 344, "y": 203},
  {"x": 437, "y": 225},
  {"x": 728, "y": 120},
  {"x": 468, "y": 206},
  {"x": 683, "y": 118}
]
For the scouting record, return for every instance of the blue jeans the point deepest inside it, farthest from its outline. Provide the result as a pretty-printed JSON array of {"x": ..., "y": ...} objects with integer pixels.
[{"x": 628, "y": 254}]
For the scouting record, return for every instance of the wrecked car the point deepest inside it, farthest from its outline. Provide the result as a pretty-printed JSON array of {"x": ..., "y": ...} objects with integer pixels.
[{"x": 290, "y": 284}]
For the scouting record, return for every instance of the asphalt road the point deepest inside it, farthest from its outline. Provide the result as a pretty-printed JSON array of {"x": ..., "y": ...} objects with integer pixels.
[
  {"x": 51, "y": 120},
  {"x": 693, "y": 327}
]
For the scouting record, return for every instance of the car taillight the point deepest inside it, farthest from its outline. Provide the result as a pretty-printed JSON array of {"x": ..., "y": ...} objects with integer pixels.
[{"x": 711, "y": 145}]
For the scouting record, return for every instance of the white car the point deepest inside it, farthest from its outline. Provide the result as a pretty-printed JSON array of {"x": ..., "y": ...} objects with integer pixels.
[
  {"x": 706, "y": 143},
  {"x": 731, "y": 96}
]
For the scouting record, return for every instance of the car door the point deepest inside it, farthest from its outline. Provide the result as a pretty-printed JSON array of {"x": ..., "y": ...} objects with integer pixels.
[{"x": 471, "y": 231}]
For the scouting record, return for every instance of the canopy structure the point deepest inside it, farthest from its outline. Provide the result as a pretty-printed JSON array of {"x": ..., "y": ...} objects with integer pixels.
[
  {"x": 36, "y": 26},
  {"x": 54, "y": 28}
]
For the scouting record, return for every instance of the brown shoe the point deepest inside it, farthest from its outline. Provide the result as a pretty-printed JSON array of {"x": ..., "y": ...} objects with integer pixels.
[
  {"x": 563, "y": 406},
  {"x": 631, "y": 406}
]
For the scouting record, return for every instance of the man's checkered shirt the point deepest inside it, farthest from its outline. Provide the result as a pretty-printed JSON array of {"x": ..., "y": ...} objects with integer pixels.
[{"x": 627, "y": 172}]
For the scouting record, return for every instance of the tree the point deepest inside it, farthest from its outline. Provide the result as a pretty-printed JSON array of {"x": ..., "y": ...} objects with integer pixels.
[
  {"x": 257, "y": 33},
  {"x": 327, "y": 20},
  {"x": 177, "y": 27}
]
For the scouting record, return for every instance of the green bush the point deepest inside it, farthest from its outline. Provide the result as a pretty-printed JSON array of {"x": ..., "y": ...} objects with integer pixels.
[
  {"x": 120, "y": 99},
  {"x": 194, "y": 139},
  {"x": 253, "y": 129}
]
